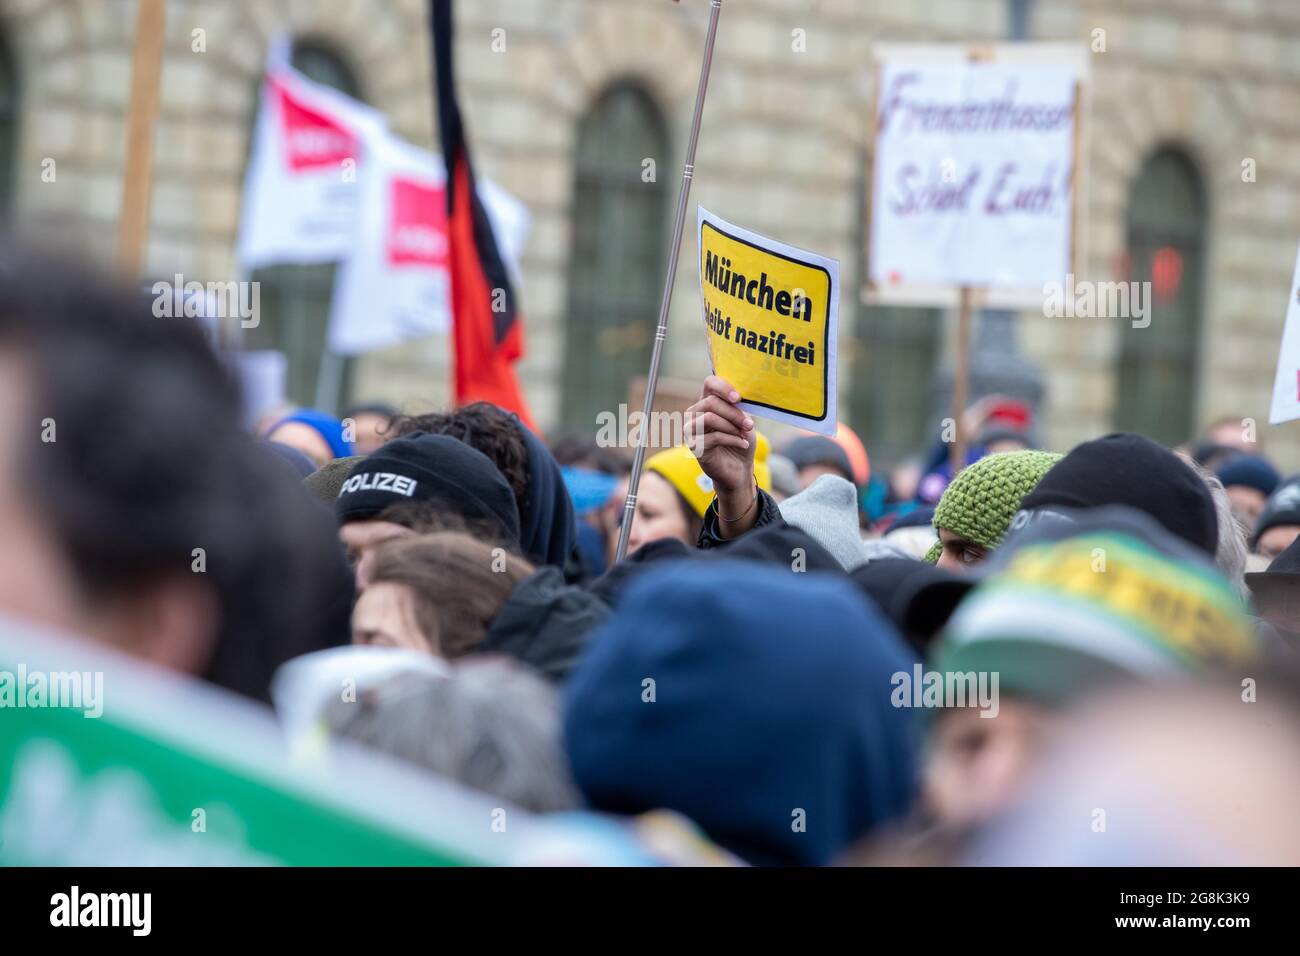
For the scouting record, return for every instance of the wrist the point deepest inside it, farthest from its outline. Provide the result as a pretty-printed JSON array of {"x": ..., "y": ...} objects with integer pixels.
[
  {"x": 733, "y": 501},
  {"x": 737, "y": 511},
  {"x": 742, "y": 490}
]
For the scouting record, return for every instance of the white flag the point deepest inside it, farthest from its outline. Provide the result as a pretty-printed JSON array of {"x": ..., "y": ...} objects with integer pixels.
[
  {"x": 305, "y": 172},
  {"x": 395, "y": 284},
  {"x": 1286, "y": 384}
]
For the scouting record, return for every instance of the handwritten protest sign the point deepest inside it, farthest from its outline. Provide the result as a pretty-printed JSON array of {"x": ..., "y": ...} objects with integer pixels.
[
  {"x": 1286, "y": 384},
  {"x": 974, "y": 172},
  {"x": 771, "y": 312}
]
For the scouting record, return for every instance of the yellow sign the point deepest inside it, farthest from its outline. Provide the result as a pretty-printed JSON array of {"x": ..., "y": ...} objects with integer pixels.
[{"x": 770, "y": 314}]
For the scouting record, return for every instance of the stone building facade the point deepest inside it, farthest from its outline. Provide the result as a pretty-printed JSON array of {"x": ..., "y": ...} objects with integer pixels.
[{"x": 1193, "y": 145}]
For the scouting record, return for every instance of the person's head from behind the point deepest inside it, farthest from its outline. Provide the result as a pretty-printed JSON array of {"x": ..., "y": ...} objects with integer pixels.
[
  {"x": 99, "y": 507},
  {"x": 998, "y": 440},
  {"x": 1275, "y": 594},
  {"x": 371, "y": 426},
  {"x": 817, "y": 455},
  {"x": 1248, "y": 480},
  {"x": 492, "y": 725},
  {"x": 1233, "y": 431},
  {"x": 1073, "y": 606},
  {"x": 752, "y": 701},
  {"x": 547, "y": 527},
  {"x": 388, "y": 494},
  {"x": 1134, "y": 472},
  {"x": 1278, "y": 523},
  {"x": 572, "y": 451},
  {"x": 436, "y": 593},
  {"x": 592, "y": 473},
  {"x": 977, "y": 507},
  {"x": 133, "y": 509},
  {"x": 484, "y": 427},
  {"x": 319, "y": 436}
]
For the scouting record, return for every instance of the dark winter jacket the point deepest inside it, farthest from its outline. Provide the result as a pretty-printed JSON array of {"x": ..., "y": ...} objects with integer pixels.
[
  {"x": 545, "y": 623},
  {"x": 768, "y": 514}
]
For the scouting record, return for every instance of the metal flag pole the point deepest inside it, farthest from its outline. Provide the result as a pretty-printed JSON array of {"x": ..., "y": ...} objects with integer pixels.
[{"x": 683, "y": 197}]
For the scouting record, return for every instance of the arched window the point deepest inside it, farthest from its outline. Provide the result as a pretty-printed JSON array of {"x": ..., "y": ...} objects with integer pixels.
[
  {"x": 617, "y": 257},
  {"x": 1166, "y": 238},
  {"x": 295, "y": 299},
  {"x": 8, "y": 124}
]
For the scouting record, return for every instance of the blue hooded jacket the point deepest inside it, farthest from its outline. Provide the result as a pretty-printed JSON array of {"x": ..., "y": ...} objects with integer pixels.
[{"x": 771, "y": 696}]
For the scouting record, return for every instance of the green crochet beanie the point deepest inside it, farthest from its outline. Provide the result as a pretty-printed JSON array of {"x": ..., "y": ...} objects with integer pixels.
[{"x": 981, "y": 501}]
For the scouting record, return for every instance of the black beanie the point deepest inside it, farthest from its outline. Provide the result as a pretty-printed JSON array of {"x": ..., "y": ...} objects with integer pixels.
[
  {"x": 1133, "y": 470},
  {"x": 810, "y": 450},
  {"x": 1282, "y": 507},
  {"x": 424, "y": 467}
]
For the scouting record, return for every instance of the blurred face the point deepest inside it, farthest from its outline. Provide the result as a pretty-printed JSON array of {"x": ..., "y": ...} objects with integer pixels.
[
  {"x": 361, "y": 538},
  {"x": 1005, "y": 444},
  {"x": 959, "y": 554},
  {"x": 1246, "y": 503},
  {"x": 1277, "y": 539},
  {"x": 811, "y": 473},
  {"x": 304, "y": 438},
  {"x": 904, "y": 481},
  {"x": 369, "y": 432},
  {"x": 976, "y": 764},
  {"x": 1232, "y": 434},
  {"x": 659, "y": 513},
  {"x": 385, "y": 617}
]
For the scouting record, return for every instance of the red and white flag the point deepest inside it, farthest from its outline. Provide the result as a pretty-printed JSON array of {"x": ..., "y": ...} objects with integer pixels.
[
  {"x": 395, "y": 285},
  {"x": 305, "y": 172}
]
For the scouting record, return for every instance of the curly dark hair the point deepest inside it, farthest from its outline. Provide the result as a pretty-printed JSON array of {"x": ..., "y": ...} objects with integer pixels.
[{"x": 482, "y": 426}]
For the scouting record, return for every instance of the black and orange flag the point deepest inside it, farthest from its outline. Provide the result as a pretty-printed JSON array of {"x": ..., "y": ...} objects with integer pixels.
[{"x": 487, "y": 329}]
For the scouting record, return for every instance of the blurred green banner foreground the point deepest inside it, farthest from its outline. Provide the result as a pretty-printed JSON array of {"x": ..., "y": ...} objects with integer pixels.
[{"x": 173, "y": 772}]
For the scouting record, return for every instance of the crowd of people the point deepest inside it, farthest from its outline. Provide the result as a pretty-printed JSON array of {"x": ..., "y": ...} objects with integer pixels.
[{"x": 1076, "y": 656}]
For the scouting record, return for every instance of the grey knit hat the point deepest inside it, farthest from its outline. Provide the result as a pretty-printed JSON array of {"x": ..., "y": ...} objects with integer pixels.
[{"x": 827, "y": 511}]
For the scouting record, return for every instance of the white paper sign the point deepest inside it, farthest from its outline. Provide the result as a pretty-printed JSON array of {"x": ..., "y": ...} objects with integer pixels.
[
  {"x": 304, "y": 172},
  {"x": 1286, "y": 384},
  {"x": 972, "y": 178}
]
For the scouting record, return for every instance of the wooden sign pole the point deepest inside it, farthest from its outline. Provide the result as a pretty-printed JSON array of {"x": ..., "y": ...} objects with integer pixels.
[
  {"x": 137, "y": 179},
  {"x": 961, "y": 380}
]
